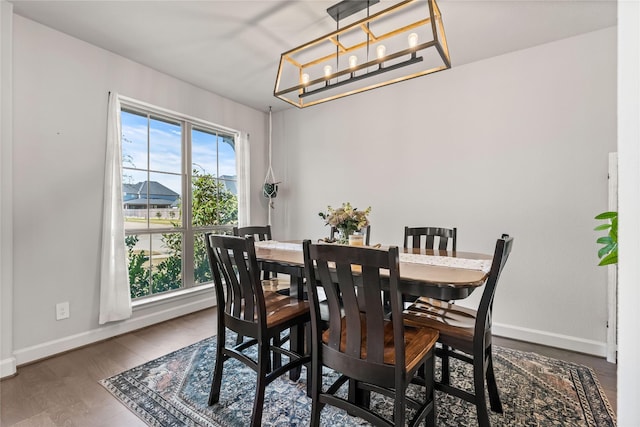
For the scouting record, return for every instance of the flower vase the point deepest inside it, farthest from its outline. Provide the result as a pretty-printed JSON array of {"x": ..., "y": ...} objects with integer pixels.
[
  {"x": 344, "y": 234},
  {"x": 350, "y": 237}
]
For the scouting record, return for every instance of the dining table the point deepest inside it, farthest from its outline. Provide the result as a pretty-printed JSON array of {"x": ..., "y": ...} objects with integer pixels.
[
  {"x": 440, "y": 274},
  {"x": 444, "y": 275}
]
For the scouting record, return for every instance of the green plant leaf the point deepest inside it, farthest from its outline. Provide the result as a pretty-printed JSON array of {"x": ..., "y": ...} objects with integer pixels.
[
  {"x": 605, "y": 250},
  {"x": 607, "y": 215},
  {"x": 603, "y": 227},
  {"x": 612, "y": 258},
  {"x": 608, "y": 254}
]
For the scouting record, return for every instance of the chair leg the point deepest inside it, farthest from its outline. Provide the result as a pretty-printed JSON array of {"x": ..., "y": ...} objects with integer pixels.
[
  {"x": 316, "y": 388},
  {"x": 277, "y": 357},
  {"x": 296, "y": 341},
  {"x": 480, "y": 398},
  {"x": 307, "y": 350},
  {"x": 216, "y": 382},
  {"x": 446, "y": 371},
  {"x": 429, "y": 372},
  {"x": 494, "y": 395},
  {"x": 263, "y": 368},
  {"x": 399, "y": 408}
]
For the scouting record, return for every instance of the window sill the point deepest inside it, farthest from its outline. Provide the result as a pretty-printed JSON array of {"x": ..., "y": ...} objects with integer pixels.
[{"x": 172, "y": 296}]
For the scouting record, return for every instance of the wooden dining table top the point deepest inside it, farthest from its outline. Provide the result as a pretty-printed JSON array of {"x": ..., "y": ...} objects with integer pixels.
[{"x": 420, "y": 279}]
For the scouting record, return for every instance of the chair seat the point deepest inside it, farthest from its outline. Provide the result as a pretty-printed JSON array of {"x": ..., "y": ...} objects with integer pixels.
[
  {"x": 418, "y": 342},
  {"x": 455, "y": 323},
  {"x": 282, "y": 309}
]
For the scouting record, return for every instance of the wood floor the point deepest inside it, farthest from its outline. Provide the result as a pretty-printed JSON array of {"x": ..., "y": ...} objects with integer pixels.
[{"x": 64, "y": 390}]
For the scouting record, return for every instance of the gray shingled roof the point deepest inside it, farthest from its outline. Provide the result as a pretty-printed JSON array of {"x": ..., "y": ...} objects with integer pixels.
[{"x": 155, "y": 188}]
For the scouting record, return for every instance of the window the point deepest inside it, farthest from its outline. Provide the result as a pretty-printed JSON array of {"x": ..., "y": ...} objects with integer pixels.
[{"x": 168, "y": 206}]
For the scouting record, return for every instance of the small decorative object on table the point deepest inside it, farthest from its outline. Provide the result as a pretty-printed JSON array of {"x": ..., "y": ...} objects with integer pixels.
[{"x": 347, "y": 220}]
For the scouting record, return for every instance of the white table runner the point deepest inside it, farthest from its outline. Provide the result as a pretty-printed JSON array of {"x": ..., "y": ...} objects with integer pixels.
[
  {"x": 274, "y": 244},
  {"x": 441, "y": 261},
  {"x": 446, "y": 261}
]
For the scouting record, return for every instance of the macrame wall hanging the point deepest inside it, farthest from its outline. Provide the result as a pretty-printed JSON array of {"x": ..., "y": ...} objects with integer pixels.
[{"x": 270, "y": 186}]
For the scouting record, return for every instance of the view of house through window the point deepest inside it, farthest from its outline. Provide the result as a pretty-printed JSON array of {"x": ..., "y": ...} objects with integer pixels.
[{"x": 168, "y": 206}]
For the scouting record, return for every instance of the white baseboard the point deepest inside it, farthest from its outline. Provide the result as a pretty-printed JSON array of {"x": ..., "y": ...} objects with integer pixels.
[
  {"x": 7, "y": 367},
  {"x": 50, "y": 348},
  {"x": 595, "y": 348}
]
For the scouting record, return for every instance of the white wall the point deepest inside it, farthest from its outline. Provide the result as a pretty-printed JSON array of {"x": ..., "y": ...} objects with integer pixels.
[
  {"x": 629, "y": 206},
  {"x": 7, "y": 361},
  {"x": 514, "y": 144},
  {"x": 60, "y": 87}
]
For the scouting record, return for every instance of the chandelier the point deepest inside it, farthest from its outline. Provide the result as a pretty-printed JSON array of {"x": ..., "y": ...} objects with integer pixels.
[{"x": 401, "y": 42}]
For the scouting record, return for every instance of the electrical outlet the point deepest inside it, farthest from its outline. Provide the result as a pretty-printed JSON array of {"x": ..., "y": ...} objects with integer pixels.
[{"x": 62, "y": 310}]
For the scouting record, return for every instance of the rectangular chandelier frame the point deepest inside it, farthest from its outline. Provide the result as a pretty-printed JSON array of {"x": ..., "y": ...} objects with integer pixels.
[{"x": 298, "y": 88}]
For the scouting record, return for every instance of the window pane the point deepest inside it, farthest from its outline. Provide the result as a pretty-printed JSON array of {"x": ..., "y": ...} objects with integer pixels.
[
  {"x": 166, "y": 262},
  {"x": 202, "y": 272},
  {"x": 134, "y": 140},
  {"x": 164, "y": 200},
  {"x": 134, "y": 194},
  {"x": 165, "y": 146},
  {"x": 139, "y": 248},
  {"x": 213, "y": 204},
  {"x": 231, "y": 185},
  {"x": 227, "y": 157},
  {"x": 214, "y": 190},
  {"x": 228, "y": 180},
  {"x": 204, "y": 153}
]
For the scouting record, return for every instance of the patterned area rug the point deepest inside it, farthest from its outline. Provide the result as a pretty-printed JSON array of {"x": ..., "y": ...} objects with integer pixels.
[{"x": 173, "y": 391}]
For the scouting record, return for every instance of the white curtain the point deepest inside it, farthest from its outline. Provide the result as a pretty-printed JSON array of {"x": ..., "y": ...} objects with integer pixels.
[
  {"x": 115, "y": 296},
  {"x": 242, "y": 150}
]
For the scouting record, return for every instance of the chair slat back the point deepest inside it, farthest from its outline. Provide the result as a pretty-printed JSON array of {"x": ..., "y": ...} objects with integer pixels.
[
  {"x": 352, "y": 279},
  {"x": 237, "y": 282},
  {"x": 259, "y": 232},
  {"x": 446, "y": 237},
  {"x": 485, "y": 308}
]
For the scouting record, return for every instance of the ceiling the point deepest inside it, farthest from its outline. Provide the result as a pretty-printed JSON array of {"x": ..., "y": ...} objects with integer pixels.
[{"x": 232, "y": 47}]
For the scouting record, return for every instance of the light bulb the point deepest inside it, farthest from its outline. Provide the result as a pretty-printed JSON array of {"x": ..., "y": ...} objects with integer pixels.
[
  {"x": 413, "y": 40},
  {"x": 305, "y": 79},
  {"x": 353, "y": 61},
  {"x": 381, "y": 51},
  {"x": 327, "y": 70}
]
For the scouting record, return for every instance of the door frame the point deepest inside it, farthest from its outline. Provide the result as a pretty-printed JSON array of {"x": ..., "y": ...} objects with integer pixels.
[{"x": 612, "y": 270}]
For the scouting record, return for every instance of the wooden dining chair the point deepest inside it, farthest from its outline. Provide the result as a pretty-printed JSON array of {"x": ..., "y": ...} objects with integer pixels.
[
  {"x": 259, "y": 233},
  {"x": 465, "y": 334},
  {"x": 373, "y": 353},
  {"x": 434, "y": 238},
  {"x": 367, "y": 234},
  {"x": 426, "y": 238},
  {"x": 260, "y": 317}
]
